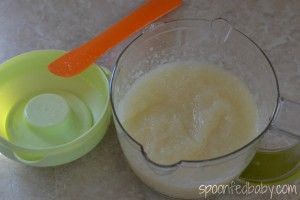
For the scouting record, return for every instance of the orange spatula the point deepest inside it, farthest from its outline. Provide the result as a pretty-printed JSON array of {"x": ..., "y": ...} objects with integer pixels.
[{"x": 80, "y": 58}]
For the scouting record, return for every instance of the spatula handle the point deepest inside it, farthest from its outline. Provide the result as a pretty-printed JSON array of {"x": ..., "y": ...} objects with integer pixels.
[{"x": 80, "y": 58}]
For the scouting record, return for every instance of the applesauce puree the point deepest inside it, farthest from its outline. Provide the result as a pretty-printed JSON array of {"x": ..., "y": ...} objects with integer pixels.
[{"x": 188, "y": 111}]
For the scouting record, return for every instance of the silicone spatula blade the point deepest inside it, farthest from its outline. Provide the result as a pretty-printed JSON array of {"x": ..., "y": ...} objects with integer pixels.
[{"x": 80, "y": 58}]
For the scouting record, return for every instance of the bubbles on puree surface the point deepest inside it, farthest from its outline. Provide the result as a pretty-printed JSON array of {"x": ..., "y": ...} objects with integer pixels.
[{"x": 188, "y": 111}]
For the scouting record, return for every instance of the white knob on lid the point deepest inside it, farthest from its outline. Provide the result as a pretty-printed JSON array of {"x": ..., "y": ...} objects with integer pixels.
[{"x": 46, "y": 110}]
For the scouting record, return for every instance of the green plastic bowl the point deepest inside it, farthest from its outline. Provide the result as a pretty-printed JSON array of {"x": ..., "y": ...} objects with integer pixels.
[{"x": 46, "y": 120}]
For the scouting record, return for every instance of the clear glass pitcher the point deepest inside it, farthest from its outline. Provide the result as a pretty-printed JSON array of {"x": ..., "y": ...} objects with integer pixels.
[{"x": 215, "y": 42}]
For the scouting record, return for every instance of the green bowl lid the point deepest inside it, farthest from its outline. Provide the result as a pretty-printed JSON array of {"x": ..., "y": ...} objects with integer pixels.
[{"x": 274, "y": 167}]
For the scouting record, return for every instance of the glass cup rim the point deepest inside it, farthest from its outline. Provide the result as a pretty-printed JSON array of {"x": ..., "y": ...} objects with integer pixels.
[{"x": 180, "y": 162}]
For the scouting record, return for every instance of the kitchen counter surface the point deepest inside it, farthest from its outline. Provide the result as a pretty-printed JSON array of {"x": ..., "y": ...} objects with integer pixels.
[{"x": 62, "y": 24}]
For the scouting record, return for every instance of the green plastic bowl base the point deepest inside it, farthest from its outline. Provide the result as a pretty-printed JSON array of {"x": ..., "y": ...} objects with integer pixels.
[{"x": 46, "y": 120}]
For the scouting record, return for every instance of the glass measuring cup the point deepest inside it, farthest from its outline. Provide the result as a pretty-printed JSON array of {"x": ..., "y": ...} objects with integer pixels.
[{"x": 219, "y": 43}]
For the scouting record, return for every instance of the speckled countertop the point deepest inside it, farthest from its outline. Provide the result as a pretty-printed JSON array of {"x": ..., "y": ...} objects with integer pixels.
[{"x": 62, "y": 24}]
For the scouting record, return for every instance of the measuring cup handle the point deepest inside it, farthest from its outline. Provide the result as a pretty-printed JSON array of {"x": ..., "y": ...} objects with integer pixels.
[
  {"x": 287, "y": 118},
  {"x": 271, "y": 165}
]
